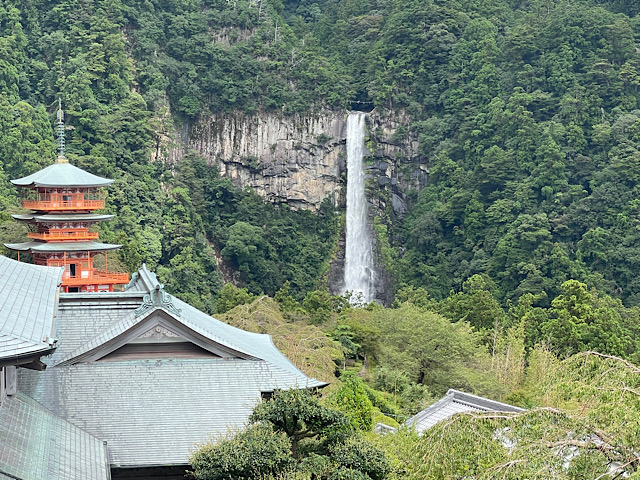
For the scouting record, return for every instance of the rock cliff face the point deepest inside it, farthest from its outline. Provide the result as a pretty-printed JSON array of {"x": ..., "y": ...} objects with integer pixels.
[{"x": 300, "y": 160}]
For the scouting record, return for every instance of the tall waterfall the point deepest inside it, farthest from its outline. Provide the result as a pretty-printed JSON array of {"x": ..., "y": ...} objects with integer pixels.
[{"x": 359, "y": 274}]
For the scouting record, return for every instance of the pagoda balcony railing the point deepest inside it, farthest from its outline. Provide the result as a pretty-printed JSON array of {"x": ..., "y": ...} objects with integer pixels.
[
  {"x": 96, "y": 278},
  {"x": 64, "y": 236},
  {"x": 62, "y": 205}
]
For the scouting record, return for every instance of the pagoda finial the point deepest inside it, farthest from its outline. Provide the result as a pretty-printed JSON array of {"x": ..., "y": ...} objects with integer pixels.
[{"x": 61, "y": 157}]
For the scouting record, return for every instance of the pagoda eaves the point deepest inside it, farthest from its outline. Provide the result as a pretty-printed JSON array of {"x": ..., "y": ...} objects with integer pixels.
[
  {"x": 62, "y": 175},
  {"x": 62, "y": 198}
]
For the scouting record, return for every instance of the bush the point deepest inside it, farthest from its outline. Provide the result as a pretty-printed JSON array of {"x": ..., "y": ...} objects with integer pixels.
[{"x": 259, "y": 450}]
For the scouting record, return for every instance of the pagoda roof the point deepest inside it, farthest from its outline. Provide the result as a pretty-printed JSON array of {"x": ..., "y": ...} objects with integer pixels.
[
  {"x": 51, "y": 218},
  {"x": 28, "y": 305},
  {"x": 62, "y": 174},
  {"x": 44, "y": 247}
]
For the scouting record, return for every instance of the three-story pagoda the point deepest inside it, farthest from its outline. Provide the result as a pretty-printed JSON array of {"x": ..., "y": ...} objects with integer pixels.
[{"x": 63, "y": 200}]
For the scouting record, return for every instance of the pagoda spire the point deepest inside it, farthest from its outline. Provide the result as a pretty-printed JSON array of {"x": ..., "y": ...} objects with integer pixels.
[
  {"x": 63, "y": 199},
  {"x": 61, "y": 157}
]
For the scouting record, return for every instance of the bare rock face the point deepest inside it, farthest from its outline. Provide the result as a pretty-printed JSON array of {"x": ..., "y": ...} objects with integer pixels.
[
  {"x": 295, "y": 160},
  {"x": 300, "y": 160}
]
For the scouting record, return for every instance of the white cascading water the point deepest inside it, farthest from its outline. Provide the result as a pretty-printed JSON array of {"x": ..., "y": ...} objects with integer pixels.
[{"x": 358, "y": 263}]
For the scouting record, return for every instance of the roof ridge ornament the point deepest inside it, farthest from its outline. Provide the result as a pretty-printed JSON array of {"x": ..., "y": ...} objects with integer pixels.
[
  {"x": 157, "y": 298},
  {"x": 61, "y": 157}
]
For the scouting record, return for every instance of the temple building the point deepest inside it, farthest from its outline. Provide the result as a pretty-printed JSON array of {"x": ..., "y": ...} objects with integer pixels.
[
  {"x": 63, "y": 200},
  {"x": 129, "y": 383}
]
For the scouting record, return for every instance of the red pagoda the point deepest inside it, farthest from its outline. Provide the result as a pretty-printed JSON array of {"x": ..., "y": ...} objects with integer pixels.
[{"x": 63, "y": 199}]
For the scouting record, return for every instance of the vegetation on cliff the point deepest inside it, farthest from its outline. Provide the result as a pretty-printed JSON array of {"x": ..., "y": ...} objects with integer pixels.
[
  {"x": 526, "y": 113},
  {"x": 525, "y": 234}
]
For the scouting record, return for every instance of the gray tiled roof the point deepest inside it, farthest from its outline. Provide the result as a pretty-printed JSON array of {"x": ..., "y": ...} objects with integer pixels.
[
  {"x": 36, "y": 445},
  {"x": 153, "y": 411},
  {"x": 254, "y": 344},
  {"x": 456, "y": 402},
  {"x": 62, "y": 175},
  {"x": 54, "y": 217},
  {"x": 28, "y": 302},
  {"x": 62, "y": 246}
]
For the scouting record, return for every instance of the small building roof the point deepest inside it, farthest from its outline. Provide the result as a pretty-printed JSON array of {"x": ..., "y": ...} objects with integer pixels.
[
  {"x": 45, "y": 247},
  {"x": 37, "y": 445},
  {"x": 62, "y": 174},
  {"x": 456, "y": 402},
  {"x": 52, "y": 217},
  {"x": 28, "y": 307}
]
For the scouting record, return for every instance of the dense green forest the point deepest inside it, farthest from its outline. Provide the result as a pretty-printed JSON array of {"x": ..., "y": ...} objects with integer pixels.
[
  {"x": 518, "y": 253},
  {"x": 526, "y": 111}
]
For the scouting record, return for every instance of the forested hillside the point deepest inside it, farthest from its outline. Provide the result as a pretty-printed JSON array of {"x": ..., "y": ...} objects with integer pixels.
[
  {"x": 521, "y": 249},
  {"x": 526, "y": 111}
]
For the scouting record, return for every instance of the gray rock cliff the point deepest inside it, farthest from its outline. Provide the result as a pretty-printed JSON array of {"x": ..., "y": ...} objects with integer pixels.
[{"x": 300, "y": 160}]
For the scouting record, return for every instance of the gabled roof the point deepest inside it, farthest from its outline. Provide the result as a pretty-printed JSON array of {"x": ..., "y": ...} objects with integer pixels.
[
  {"x": 152, "y": 411},
  {"x": 28, "y": 306},
  {"x": 133, "y": 326},
  {"x": 456, "y": 402},
  {"x": 36, "y": 445},
  {"x": 42, "y": 247},
  {"x": 62, "y": 175},
  {"x": 255, "y": 345}
]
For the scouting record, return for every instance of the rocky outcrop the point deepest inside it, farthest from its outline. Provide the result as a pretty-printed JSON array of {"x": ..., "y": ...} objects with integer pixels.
[{"x": 300, "y": 160}]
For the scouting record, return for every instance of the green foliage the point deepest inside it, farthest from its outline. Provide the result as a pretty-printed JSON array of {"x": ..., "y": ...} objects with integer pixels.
[
  {"x": 587, "y": 428},
  {"x": 27, "y": 143},
  {"x": 230, "y": 296},
  {"x": 582, "y": 320},
  {"x": 474, "y": 304},
  {"x": 432, "y": 351},
  {"x": 300, "y": 416},
  {"x": 536, "y": 444},
  {"x": 305, "y": 345},
  {"x": 408, "y": 396},
  {"x": 256, "y": 451},
  {"x": 352, "y": 399},
  {"x": 601, "y": 389},
  {"x": 321, "y": 305},
  {"x": 344, "y": 336},
  {"x": 359, "y": 459},
  {"x": 331, "y": 450}
]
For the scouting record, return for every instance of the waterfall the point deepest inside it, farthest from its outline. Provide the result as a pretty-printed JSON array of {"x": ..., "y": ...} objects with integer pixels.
[{"x": 358, "y": 264}]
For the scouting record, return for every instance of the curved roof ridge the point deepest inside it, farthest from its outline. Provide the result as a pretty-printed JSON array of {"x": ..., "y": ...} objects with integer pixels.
[
  {"x": 57, "y": 217},
  {"x": 257, "y": 345}
]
